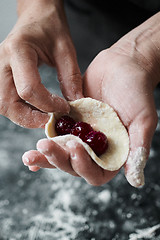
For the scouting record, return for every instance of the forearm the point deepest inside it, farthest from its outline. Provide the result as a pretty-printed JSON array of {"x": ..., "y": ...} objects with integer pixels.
[
  {"x": 143, "y": 43},
  {"x": 44, "y": 14},
  {"x": 36, "y": 10}
]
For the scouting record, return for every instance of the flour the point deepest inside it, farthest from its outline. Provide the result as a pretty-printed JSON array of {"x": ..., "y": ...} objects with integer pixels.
[
  {"x": 104, "y": 196},
  {"x": 135, "y": 165},
  {"x": 148, "y": 233}
]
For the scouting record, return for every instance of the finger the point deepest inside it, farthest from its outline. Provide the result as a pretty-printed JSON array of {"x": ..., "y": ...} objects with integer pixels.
[
  {"x": 33, "y": 168},
  {"x": 56, "y": 155},
  {"x": 25, "y": 115},
  {"x": 85, "y": 167},
  {"x": 35, "y": 159},
  {"x": 68, "y": 70},
  {"x": 140, "y": 132},
  {"x": 17, "y": 110},
  {"x": 28, "y": 82}
]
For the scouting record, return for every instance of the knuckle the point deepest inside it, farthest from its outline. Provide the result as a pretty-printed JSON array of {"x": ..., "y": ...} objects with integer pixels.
[
  {"x": 11, "y": 45},
  {"x": 75, "y": 78},
  {"x": 25, "y": 93}
]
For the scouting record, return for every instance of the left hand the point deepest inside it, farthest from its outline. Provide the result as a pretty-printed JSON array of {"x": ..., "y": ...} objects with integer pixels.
[{"x": 41, "y": 35}]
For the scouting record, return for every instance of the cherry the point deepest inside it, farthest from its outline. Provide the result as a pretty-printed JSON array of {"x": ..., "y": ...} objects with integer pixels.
[
  {"x": 64, "y": 125},
  {"x": 80, "y": 129},
  {"x": 97, "y": 141}
]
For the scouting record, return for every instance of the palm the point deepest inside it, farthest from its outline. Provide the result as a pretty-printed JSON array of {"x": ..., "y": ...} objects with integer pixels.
[
  {"x": 119, "y": 81},
  {"x": 124, "y": 85}
]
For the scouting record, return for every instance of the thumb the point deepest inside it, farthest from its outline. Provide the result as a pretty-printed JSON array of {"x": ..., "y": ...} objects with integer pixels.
[
  {"x": 68, "y": 70},
  {"x": 140, "y": 132}
]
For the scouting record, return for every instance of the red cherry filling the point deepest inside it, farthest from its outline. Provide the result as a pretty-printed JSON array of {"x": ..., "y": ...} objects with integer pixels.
[
  {"x": 64, "y": 125},
  {"x": 97, "y": 141},
  {"x": 80, "y": 129}
]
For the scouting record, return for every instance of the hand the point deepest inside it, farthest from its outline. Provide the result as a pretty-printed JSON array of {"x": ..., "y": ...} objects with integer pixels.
[
  {"x": 40, "y": 35},
  {"x": 125, "y": 79},
  {"x": 128, "y": 88}
]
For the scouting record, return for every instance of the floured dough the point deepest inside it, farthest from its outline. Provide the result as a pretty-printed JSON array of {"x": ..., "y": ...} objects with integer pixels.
[{"x": 102, "y": 118}]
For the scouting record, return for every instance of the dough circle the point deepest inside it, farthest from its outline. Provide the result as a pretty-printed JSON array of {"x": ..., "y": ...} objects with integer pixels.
[{"x": 102, "y": 118}]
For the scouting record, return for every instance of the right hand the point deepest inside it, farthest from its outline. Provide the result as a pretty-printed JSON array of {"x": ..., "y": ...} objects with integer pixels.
[{"x": 40, "y": 35}]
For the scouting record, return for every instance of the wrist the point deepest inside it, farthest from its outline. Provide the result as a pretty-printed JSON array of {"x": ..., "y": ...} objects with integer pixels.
[
  {"x": 45, "y": 14},
  {"x": 143, "y": 44},
  {"x": 37, "y": 9}
]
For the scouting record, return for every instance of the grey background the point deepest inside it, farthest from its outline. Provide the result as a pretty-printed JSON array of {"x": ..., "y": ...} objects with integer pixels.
[{"x": 8, "y": 17}]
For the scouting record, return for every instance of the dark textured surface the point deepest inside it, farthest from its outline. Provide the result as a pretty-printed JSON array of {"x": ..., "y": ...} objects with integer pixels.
[{"x": 52, "y": 205}]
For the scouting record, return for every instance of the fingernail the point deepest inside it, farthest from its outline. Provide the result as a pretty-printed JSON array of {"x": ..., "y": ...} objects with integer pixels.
[
  {"x": 42, "y": 145},
  {"x": 134, "y": 169},
  {"x": 43, "y": 151},
  {"x": 26, "y": 161}
]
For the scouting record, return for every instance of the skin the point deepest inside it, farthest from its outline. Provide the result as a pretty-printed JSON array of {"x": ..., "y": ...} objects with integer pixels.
[
  {"x": 125, "y": 74},
  {"x": 139, "y": 117},
  {"x": 28, "y": 101}
]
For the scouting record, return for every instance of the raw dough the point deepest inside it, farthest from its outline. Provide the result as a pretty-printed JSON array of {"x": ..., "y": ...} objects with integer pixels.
[{"x": 102, "y": 118}]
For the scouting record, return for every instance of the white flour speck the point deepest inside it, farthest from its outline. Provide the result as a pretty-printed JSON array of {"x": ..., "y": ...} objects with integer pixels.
[
  {"x": 135, "y": 166},
  {"x": 148, "y": 233}
]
